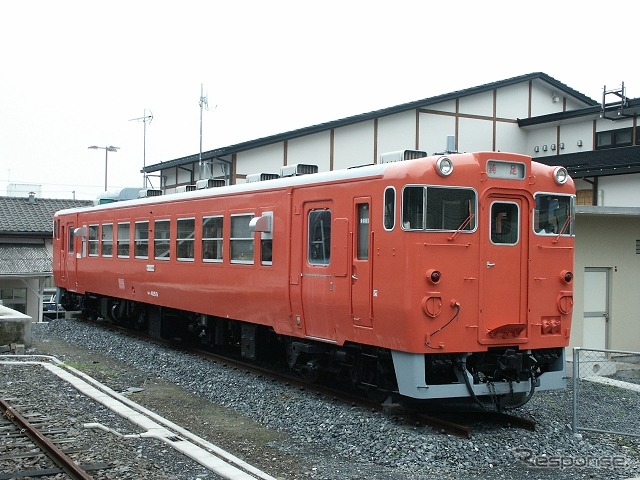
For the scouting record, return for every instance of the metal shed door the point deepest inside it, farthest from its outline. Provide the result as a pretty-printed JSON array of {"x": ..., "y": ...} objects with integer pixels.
[{"x": 596, "y": 308}]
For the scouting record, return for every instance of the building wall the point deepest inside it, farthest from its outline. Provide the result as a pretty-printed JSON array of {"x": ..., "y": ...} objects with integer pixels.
[
  {"x": 354, "y": 145},
  {"x": 607, "y": 242},
  {"x": 312, "y": 149},
  {"x": 267, "y": 159},
  {"x": 620, "y": 191}
]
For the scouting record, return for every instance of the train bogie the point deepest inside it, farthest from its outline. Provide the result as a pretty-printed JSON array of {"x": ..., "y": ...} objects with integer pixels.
[{"x": 436, "y": 277}]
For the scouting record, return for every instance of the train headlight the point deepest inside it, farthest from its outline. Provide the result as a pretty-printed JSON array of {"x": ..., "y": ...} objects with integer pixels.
[
  {"x": 560, "y": 175},
  {"x": 566, "y": 276},
  {"x": 444, "y": 166},
  {"x": 434, "y": 276}
]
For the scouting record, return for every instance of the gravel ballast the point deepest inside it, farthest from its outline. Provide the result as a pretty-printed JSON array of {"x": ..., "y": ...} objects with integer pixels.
[{"x": 294, "y": 434}]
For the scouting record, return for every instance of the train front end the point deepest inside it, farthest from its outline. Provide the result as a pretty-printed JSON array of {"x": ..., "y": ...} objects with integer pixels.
[{"x": 490, "y": 243}]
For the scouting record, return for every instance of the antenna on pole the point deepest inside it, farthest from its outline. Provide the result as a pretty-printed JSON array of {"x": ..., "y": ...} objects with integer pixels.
[
  {"x": 204, "y": 102},
  {"x": 144, "y": 119}
]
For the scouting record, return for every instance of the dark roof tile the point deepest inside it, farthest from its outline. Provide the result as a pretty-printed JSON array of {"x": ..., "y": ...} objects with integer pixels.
[
  {"x": 25, "y": 260},
  {"x": 19, "y": 215}
]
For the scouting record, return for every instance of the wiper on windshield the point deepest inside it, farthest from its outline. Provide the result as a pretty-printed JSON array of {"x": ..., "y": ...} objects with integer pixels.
[
  {"x": 465, "y": 223},
  {"x": 565, "y": 226}
]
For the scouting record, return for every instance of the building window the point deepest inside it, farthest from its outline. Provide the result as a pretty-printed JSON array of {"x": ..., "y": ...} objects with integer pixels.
[
  {"x": 93, "y": 240},
  {"x": 319, "y": 248},
  {"x": 389, "y": 208},
  {"x": 141, "y": 240},
  {"x": 107, "y": 240},
  {"x": 614, "y": 138},
  {"x": 123, "y": 240},
  {"x": 185, "y": 239},
  {"x": 212, "y": 234},
  {"x": 241, "y": 243},
  {"x": 161, "y": 240}
]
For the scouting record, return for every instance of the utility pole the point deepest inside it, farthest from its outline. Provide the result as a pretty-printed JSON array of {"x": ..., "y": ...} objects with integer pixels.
[
  {"x": 144, "y": 119},
  {"x": 204, "y": 102}
]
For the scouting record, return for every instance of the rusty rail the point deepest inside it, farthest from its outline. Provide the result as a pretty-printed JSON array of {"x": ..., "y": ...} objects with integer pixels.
[{"x": 54, "y": 453}]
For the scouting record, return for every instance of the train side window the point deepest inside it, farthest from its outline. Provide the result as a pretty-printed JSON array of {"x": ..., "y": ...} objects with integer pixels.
[
  {"x": 107, "y": 240},
  {"x": 319, "y": 248},
  {"x": 505, "y": 223},
  {"x": 553, "y": 214},
  {"x": 413, "y": 208},
  {"x": 266, "y": 242},
  {"x": 71, "y": 237},
  {"x": 93, "y": 240},
  {"x": 124, "y": 230},
  {"x": 362, "y": 252},
  {"x": 212, "y": 235},
  {"x": 141, "y": 239},
  {"x": 389, "y": 220},
  {"x": 451, "y": 208},
  {"x": 161, "y": 240},
  {"x": 185, "y": 240},
  {"x": 241, "y": 244}
]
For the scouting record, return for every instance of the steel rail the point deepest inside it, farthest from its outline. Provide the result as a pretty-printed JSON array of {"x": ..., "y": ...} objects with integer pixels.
[{"x": 54, "y": 453}]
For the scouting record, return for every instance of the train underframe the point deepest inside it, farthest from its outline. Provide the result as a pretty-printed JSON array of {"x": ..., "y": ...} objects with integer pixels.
[{"x": 500, "y": 378}]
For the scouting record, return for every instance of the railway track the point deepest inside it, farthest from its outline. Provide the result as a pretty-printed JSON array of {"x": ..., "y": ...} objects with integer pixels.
[
  {"x": 458, "y": 422},
  {"x": 37, "y": 446},
  {"x": 150, "y": 425}
]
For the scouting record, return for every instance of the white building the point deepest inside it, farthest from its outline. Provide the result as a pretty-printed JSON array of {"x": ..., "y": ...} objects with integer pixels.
[{"x": 533, "y": 114}]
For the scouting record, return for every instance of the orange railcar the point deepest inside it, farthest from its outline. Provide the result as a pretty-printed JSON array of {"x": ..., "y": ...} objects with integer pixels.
[{"x": 437, "y": 277}]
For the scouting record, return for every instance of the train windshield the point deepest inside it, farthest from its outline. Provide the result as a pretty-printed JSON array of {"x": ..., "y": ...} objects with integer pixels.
[
  {"x": 438, "y": 208},
  {"x": 554, "y": 214}
]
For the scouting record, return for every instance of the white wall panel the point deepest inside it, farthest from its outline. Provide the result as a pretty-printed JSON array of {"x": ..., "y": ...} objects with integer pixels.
[
  {"x": 312, "y": 149},
  {"x": 448, "y": 106},
  {"x": 475, "y": 135},
  {"x": 571, "y": 133},
  {"x": 478, "y": 104},
  {"x": 185, "y": 176},
  {"x": 620, "y": 190},
  {"x": 510, "y": 138},
  {"x": 397, "y": 132},
  {"x": 353, "y": 145},
  {"x": 267, "y": 159},
  {"x": 434, "y": 130},
  {"x": 542, "y": 102},
  {"x": 538, "y": 138},
  {"x": 513, "y": 101}
]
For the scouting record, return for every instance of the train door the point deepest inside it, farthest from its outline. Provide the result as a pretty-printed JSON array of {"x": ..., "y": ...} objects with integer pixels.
[
  {"x": 503, "y": 265},
  {"x": 361, "y": 278},
  {"x": 316, "y": 279},
  {"x": 69, "y": 255}
]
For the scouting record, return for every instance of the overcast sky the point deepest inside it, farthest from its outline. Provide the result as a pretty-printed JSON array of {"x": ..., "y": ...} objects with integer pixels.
[{"x": 74, "y": 73}]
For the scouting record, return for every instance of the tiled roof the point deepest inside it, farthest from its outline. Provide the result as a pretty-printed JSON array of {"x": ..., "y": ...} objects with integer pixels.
[
  {"x": 594, "y": 163},
  {"x": 25, "y": 260},
  {"x": 19, "y": 215}
]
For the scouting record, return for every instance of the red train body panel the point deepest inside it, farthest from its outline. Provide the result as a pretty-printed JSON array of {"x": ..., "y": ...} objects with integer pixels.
[{"x": 445, "y": 257}]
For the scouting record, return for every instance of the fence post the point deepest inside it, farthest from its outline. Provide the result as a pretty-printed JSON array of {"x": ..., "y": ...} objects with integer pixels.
[{"x": 576, "y": 373}]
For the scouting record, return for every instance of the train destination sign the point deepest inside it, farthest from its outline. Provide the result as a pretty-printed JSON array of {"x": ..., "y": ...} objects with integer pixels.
[{"x": 508, "y": 170}]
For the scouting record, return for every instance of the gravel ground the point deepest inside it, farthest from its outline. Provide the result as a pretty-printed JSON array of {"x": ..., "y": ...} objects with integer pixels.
[{"x": 294, "y": 434}]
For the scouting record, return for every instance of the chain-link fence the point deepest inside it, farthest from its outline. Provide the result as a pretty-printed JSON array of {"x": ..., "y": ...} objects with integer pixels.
[{"x": 599, "y": 374}]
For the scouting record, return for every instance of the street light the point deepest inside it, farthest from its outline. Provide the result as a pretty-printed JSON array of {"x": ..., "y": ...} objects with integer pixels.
[{"x": 108, "y": 149}]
